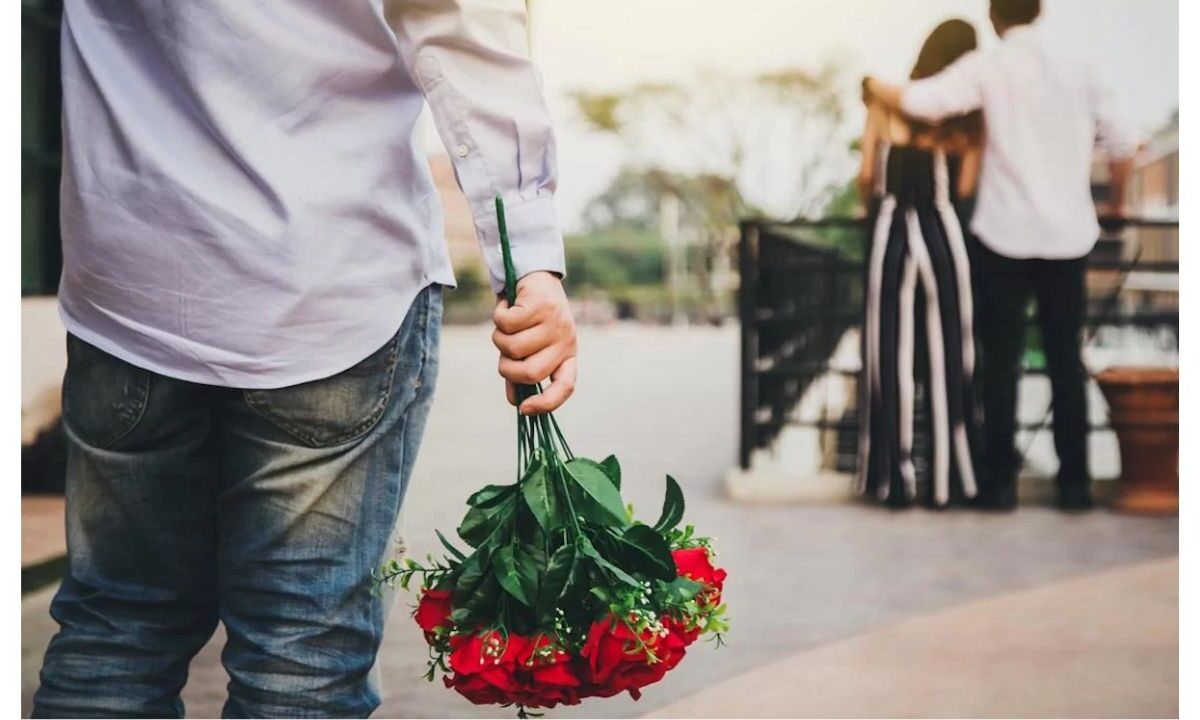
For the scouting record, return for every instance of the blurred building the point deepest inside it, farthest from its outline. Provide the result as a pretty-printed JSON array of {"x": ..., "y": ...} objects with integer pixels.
[
  {"x": 1154, "y": 195},
  {"x": 1154, "y": 187},
  {"x": 460, "y": 228}
]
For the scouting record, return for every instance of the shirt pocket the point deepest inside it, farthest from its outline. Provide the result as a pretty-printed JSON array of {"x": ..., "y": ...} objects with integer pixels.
[
  {"x": 334, "y": 410},
  {"x": 104, "y": 397}
]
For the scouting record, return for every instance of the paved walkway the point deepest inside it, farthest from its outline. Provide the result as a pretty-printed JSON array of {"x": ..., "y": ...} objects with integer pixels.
[
  {"x": 1102, "y": 645},
  {"x": 801, "y": 577}
]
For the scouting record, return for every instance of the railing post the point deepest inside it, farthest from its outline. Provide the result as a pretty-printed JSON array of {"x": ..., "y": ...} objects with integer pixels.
[{"x": 747, "y": 302}]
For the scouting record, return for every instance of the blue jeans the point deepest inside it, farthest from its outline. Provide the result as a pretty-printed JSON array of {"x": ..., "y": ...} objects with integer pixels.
[{"x": 265, "y": 510}]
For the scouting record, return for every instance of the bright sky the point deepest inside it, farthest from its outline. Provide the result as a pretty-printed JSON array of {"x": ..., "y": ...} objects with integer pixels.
[{"x": 611, "y": 44}]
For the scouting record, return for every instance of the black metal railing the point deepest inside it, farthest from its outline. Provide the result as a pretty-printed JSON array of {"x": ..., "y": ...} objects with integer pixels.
[{"x": 802, "y": 289}]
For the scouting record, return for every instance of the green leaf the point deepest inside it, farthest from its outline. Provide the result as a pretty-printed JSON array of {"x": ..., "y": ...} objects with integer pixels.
[
  {"x": 471, "y": 576},
  {"x": 647, "y": 552},
  {"x": 612, "y": 470},
  {"x": 672, "y": 511},
  {"x": 504, "y": 565},
  {"x": 528, "y": 574},
  {"x": 458, "y": 555},
  {"x": 541, "y": 497},
  {"x": 554, "y": 582},
  {"x": 475, "y": 591},
  {"x": 594, "y": 496},
  {"x": 482, "y": 603},
  {"x": 589, "y": 550},
  {"x": 681, "y": 589},
  {"x": 490, "y": 495},
  {"x": 479, "y": 523}
]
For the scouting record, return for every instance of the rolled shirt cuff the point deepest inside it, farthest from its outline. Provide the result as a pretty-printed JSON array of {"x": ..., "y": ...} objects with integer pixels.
[{"x": 533, "y": 233}]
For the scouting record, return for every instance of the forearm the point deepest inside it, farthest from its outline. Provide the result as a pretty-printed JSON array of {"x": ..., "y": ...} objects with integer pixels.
[
  {"x": 471, "y": 61},
  {"x": 891, "y": 96},
  {"x": 866, "y": 169}
]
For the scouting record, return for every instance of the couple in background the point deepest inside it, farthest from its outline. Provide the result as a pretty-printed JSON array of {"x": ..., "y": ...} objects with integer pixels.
[{"x": 1020, "y": 122}]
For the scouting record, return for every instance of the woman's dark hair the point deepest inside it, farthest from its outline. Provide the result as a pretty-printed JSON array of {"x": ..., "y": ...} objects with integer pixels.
[
  {"x": 1016, "y": 12},
  {"x": 947, "y": 43}
]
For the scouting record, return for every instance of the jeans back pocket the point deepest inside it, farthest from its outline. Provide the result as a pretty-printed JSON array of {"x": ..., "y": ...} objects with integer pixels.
[
  {"x": 333, "y": 410},
  {"x": 104, "y": 397}
]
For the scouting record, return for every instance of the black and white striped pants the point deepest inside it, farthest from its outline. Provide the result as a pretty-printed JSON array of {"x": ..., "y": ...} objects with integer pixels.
[{"x": 918, "y": 244}]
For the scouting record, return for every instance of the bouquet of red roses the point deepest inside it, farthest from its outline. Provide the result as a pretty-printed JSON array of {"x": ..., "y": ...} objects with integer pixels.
[{"x": 562, "y": 595}]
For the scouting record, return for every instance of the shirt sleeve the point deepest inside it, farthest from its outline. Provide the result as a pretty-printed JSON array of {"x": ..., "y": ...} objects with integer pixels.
[
  {"x": 470, "y": 59},
  {"x": 957, "y": 90},
  {"x": 1114, "y": 134}
]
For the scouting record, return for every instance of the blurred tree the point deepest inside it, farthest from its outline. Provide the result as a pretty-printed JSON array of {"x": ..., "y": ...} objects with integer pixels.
[
  {"x": 702, "y": 212},
  {"x": 702, "y": 155},
  {"x": 615, "y": 257},
  {"x": 778, "y": 138},
  {"x": 849, "y": 240}
]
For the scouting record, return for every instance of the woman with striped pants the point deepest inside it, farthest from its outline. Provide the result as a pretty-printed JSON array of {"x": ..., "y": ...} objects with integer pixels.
[{"x": 918, "y": 293}]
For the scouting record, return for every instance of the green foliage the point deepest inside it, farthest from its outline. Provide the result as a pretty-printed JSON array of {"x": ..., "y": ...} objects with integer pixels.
[
  {"x": 672, "y": 511},
  {"x": 593, "y": 495},
  {"x": 517, "y": 574},
  {"x": 847, "y": 240},
  {"x": 599, "y": 110},
  {"x": 541, "y": 497},
  {"x": 612, "y": 469},
  {"x": 559, "y": 571},
  {"x": 557, "y": 550},
  {"x": 472, "y": 286},
  {"x": 644, "y": 549},
  {"x": 615, "y": 258}
]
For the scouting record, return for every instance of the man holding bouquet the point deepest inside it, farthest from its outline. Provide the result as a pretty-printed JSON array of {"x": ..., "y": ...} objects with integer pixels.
[{"x": 252, "y": 281}]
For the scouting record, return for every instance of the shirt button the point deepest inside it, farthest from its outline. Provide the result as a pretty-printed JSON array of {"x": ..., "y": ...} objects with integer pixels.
[{"x": 461, "y": 150}]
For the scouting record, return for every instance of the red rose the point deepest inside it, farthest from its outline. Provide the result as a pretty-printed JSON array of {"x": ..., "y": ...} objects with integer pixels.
[
  {"x": 696, "y": 564},
  {"x": 433, "y": 612},
  {"x": 678, "y": 635},
  {"x": 548, "y": 663},
  {"x": 548, "y": 696},
  {"x": 619, "y": 662},
  {"x": 486, "y": 666},
  {"x": 473, "y": 654},
  {"x": 605, "y": 648},
  {"x": 477, "y": 690}
]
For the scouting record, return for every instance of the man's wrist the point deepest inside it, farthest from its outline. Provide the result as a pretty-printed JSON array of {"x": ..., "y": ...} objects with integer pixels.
[
  {"x": 535, "y": 236},
  {"x": 536, "y": 276}
]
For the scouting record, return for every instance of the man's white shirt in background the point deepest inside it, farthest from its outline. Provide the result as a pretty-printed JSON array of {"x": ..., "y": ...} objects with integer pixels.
[
  {"x": 1044, "y": 113},
  {"x": 244, "y": 202}
]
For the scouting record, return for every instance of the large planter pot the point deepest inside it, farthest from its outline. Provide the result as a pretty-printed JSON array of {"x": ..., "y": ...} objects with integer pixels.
[{"x": 1143, "y": 409}]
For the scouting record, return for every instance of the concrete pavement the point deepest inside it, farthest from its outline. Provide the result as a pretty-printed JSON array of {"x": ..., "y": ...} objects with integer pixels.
[{"x": 1103, "y": 645}]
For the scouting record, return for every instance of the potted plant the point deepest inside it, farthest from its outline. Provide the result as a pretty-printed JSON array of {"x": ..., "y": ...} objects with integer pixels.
[{"x": 1143, "y": 409}]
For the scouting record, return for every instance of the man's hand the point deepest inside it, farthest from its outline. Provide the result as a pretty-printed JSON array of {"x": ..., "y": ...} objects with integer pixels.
[{"x": 536, "y": 339}]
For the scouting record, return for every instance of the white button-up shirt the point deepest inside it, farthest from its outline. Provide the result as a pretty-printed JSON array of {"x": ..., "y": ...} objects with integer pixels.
[
  {"x": 245, "y": 200},
  {"x": 1044, "y": 113}
]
